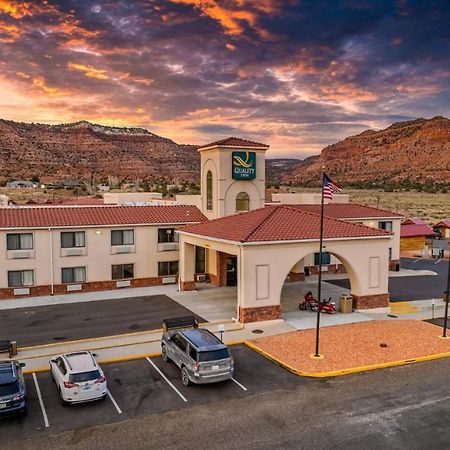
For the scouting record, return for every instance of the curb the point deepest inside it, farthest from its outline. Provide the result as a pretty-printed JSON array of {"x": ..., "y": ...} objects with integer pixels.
[{"x": 337, "y": 373}]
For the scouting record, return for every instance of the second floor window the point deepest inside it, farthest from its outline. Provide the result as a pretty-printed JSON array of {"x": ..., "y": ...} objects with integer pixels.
[
  {"x": 209, "y": 191},
  {"x": 73, "y": 274},
  {"x": 122, "y": 237},
  {"x": 385, "y": 225},
  {"x": 20, "y": 278},
  {"x": 167, "y": 235},
  {"x": 71, "y": 239},
  {"x": 121, "y": 271},
  {"x": 19, "y": 241}
]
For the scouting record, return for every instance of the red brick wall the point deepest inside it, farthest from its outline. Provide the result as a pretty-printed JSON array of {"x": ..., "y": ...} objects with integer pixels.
[
  {"x": 314, "y": 270},
  {"x": 293, "y": 276},
  {"x": 370, "y": 301},
  {"x": 187, "y": 286},
  {"x": 221, "y": 278},
  {"x": 271, "y": 312},
  {"x": 36, "y": 291}
]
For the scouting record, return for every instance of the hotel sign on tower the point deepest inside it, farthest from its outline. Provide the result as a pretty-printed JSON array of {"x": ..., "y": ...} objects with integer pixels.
[{"x": 244, "y": 165}]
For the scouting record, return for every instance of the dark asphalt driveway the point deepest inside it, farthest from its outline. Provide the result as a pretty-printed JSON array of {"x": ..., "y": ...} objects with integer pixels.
[
  {"x": 421, "y": 287},
  {"x": 55, "y": 323}
]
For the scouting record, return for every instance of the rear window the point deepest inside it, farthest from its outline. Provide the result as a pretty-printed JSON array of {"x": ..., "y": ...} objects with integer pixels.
[
  {"x": 213, "y": 355},
  {"x": 84, "y": 376},
  {"x": 9, "y": 388}
]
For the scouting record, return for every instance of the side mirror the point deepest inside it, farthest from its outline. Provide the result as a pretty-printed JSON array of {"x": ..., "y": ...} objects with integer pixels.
[
  {"x": 22, "y": 365},
  {"x": 53, "y": 361},
  {"x": 95, "y": 355}
]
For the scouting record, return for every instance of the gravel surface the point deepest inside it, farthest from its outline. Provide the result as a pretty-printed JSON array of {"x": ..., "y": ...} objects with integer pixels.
[{"x": 355, "y": 345}]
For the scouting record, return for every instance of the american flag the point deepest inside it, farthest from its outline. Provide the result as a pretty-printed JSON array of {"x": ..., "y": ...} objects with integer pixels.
[{"x": 329, "y": 188}]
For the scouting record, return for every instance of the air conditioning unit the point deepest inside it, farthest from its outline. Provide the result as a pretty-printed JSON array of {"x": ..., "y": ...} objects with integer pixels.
[
  {"x": 123, "y": 249},
  {"x": 201, "y": 277},
  {"x": 169, "y": 246},
  {"x": 169, "y": 280},
  {"x": 74, "y": 252},
  {"x": 21, "y": 255},
  {"x": 21, "y": 291},
  {"x": 123, "y": 283},
  {"x": 74, "y": 287}
]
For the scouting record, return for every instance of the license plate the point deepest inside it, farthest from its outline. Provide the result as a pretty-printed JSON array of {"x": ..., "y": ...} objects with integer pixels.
[
  {"x": 215, "y": 367},
  {"x": 87, "y": 387},
  {"x": 2, "y": 405}
]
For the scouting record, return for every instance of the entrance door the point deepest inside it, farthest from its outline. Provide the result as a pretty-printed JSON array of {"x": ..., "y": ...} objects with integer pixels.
[{"x": 231, "y": 270}]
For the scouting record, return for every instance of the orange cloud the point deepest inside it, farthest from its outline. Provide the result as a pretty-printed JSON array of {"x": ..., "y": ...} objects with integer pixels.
[
  {"x": 52, "y": 91},
  {"x": 9, "y": 33},
  {"x": 16, "y": 9},
  {"x": 90, "y": 71},
  {"x": 145, "y": 81}
]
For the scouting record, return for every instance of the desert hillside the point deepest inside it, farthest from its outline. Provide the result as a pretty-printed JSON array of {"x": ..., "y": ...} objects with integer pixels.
[{"x": 418, "y": 151}]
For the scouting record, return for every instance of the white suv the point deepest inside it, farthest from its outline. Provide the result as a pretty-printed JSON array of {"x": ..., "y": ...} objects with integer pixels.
[{"x": 78, "y": 377}]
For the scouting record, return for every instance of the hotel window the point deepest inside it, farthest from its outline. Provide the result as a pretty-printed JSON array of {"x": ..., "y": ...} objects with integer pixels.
[
  {"x": 19, "y": 241},
  {"x": 200, "y": 259},
  {"x": 167, "y": 235},
  {"x": 385, "y": 225},
  {"x": 325, "y": 258},
  {"x": 242, "y": 202},
  {"x": 209, "y": 191},
  {"x": 167, "y": 268},
  {"x": 390, "y": 253},
  {"x": 71, "y": 239},
  {"x": 122, "y": 237},
  {"x": 73, "y": 275},
  {"x": 121, "y": 271},
  {"x": 19, "y": 278}
]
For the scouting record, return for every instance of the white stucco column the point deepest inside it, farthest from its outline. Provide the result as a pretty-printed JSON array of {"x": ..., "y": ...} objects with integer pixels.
[{"x": 187, "y": 266}]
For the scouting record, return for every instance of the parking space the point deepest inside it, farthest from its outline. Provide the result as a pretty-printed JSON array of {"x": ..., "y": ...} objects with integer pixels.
[{"x": 139, "y": 388}]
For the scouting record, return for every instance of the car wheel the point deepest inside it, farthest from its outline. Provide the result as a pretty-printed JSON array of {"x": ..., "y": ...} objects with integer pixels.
[
  {"x": 61, "y": 399},
  {"x": 185, "y": 376},
  {"x": 164, "y": 354}
]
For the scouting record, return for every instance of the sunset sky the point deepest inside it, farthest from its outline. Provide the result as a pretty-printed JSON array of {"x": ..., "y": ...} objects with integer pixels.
[{"x": 296, "y": 74}]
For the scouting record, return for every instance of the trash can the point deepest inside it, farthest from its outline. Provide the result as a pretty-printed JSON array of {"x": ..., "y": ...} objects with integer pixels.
[
  {"x": 12, "y": 349},
  {"x": 345, "y": 304}
]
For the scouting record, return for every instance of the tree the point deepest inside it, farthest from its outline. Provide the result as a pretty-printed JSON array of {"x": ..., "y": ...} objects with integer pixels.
[{"x": 35, "y": 179}]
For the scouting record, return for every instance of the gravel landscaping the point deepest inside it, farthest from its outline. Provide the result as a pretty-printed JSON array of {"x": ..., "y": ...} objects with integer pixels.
[{"x": 356, "y": 345}]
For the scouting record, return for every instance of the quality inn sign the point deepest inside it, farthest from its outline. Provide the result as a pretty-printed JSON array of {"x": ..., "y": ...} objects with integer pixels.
[{"x": 244, "y": 165}]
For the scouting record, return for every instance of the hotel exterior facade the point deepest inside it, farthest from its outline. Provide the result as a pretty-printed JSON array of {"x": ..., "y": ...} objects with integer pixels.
[{"x": 228, "y": 236}]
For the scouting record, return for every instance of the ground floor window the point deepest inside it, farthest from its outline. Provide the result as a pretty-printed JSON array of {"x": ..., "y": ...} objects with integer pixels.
[
  {"x": 73, "y": 274},
  {"x": 167, "y": 268},
  {"x": 200, "y": 260},
  {"x": 325, "y": 258},
  {"x": 19, "y": 278},
  {"x": 120, "y": 271}
]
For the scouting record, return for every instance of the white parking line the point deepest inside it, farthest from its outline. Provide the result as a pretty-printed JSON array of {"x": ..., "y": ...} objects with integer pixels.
[
  {"x": 114, "y": 402},
  {"x": 239, "y": 384},
  {"x": 416, "y": 260},
  {"x": 41, "y": 402},
  {"x": 438, "y": 261},
  {"x": 165, "y": 378}
]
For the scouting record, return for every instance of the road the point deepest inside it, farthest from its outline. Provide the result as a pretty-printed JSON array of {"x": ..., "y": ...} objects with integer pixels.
[
  {"x": 421, "y": 287},
  {"x": 403, "y": 408},
  {"x": 57, "y": 323}
]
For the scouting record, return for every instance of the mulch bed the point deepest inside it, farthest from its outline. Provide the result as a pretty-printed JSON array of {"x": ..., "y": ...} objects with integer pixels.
[{"x": 355, "y": 345}]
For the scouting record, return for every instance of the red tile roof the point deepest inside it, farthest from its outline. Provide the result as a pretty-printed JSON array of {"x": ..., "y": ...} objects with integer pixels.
[
  {"x": 348, "y": 211},
  {"x": 279, "y": 223},
  {"x": 234, "y": 142},
  {"x": 414, "y": 221},
  {"x": 415, "y": 230},
  {"x": 72, "y": 216}
]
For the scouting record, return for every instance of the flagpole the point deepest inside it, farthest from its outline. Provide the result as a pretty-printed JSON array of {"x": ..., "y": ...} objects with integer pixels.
[{"x": 319, "y": 285}]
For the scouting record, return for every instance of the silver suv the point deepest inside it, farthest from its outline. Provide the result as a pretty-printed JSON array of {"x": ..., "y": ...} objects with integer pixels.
[{"x": 200, "y": 355}]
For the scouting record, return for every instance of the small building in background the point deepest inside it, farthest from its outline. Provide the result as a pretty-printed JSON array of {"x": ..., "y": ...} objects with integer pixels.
[
  {"x": 443, "y": 227},
  {"x": 415, "y": 236},
  {"x": 20, "y": 184}
]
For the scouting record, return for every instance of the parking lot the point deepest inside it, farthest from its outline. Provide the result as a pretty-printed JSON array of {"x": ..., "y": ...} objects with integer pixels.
[{"x": 142, "y": 387}]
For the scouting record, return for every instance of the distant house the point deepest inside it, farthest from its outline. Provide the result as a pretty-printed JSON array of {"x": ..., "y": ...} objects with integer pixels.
[
  {"x": 414, "y": 234},
  {"x": 20, "y": 184},
  {"x": 71, "y": 184},
  {"x": 443, "y": 227}
]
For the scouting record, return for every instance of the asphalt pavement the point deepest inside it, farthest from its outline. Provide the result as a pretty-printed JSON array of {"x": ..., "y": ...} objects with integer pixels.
[
  {"x": 403, "y": 408},
  {"x": 409, "y": 288},
  {"x": 57, "y": 323}
]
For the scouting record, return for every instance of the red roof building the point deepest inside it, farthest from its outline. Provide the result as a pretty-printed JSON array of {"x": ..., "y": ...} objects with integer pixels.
[
  {"x": 234, "y": 142},
  {"x": 84, "y": 216},
  {"x": 279, "y": 223}
]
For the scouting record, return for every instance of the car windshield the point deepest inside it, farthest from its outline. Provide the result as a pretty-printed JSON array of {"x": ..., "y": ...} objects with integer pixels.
[
  {"x": 84, "y": 376},
  {"x": 213, "y": 355},
  {"x": 9, "y": 388}
]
